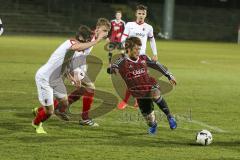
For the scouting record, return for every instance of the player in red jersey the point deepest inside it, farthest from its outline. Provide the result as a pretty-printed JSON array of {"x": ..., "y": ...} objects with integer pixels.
[
  {"x": 133, "y": 69},
  {"x": 139, "y": 28},
  {"x": 117, "y": 28}
]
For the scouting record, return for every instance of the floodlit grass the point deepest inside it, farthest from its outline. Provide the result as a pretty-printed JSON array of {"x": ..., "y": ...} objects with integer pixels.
[{"x": 206, "y": 97}]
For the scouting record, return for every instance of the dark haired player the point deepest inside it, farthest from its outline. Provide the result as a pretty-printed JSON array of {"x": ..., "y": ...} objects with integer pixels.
[
  {"x": 133, "y": 69},
  {"x": 139, "y": 28}
]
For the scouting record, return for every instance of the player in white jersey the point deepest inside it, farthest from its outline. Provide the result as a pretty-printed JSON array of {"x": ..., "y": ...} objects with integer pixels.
[
  {"x": 143, "y": 31},
  {"x": 87, "y": 89},
  {"x": 1, "y": 27},
  {"x": 49, "y": 78}
]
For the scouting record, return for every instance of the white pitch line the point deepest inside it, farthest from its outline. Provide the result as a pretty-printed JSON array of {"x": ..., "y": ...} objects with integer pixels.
[{"x": 214, "y": 128}]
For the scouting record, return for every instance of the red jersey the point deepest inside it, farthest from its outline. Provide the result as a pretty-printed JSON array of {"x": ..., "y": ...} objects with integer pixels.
[
  {"x": 135, "y": 74},
  {"x": 117, "y": 29}
]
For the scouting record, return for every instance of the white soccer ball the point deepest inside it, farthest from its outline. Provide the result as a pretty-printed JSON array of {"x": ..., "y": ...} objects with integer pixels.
[{"x": 204, "y": 137}]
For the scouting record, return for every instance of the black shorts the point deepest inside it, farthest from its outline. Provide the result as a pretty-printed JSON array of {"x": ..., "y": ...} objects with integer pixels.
[{"x": 145, "y": 105}]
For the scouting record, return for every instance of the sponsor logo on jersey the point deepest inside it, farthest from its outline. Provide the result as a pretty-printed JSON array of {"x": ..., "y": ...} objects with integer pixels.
[
  {"x": 115, "y": 28},
  {"x": 135, "y": 73},
  {"x": 138, "y": 72},
  {"x": 140, "y": 34}
]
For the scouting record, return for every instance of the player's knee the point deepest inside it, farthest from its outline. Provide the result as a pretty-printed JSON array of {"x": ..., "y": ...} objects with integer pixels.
[
  {"x": 156, "y": 94},
  {"x": 90, "y": 86},
  {"x": 64, "y": 101},
  {"x": 49, "y": 110}
]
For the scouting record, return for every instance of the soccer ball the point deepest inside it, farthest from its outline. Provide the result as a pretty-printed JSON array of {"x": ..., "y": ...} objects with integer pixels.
[{"x": 204, "y": 137}]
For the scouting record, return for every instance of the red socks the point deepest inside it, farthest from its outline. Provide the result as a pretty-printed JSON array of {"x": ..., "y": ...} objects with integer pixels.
[
  {"x": 127, "y": 96},
  {"x": 87, "y": 103},
  {"x": 41, "y": 116},
  {"x": 87, "y": 99}
]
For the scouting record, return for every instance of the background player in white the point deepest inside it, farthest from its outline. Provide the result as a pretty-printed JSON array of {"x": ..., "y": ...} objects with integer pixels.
[
  {"x": 1, "y": 27},
  {"x": 143, "y": 31},
  {"x": 49, "y": 77}
]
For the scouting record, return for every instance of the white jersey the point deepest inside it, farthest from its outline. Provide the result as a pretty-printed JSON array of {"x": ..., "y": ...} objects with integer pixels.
[
  {"x": 79, "y": 59},
  {"x": 142, "y": 31},
  {"x": 60, "y": 58}
]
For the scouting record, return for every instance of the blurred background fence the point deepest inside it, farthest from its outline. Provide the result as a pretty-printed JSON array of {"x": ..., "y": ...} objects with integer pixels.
[{"x": 216, "y": 20}]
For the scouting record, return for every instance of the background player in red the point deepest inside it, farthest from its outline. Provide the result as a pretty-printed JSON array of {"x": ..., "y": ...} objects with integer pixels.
[
  {"x": 133, "y": 69},
  {"x": 117, "y": 28}
]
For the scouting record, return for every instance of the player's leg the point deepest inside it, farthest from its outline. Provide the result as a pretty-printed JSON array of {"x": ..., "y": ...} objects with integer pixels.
[
  {"x": 147, "y": 110},
  {"x": 124, "y": 102},
  {"x": 162, "y": 104},
  {"x": 62, "y": 110},
  {"x": 87, "y": 100},
  {"x": 60, "y": 93},
  {"x": 45, "y": 95},
  {"x": 120, "y": 47},
  {"x": 110, "y": 48}
]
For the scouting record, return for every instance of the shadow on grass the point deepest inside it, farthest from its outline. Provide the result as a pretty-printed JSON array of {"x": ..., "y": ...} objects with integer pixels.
[{"x": 109, "y": 102}]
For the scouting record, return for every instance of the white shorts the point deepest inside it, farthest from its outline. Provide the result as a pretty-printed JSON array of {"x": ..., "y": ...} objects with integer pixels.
[{"x": 47, "y": 91}]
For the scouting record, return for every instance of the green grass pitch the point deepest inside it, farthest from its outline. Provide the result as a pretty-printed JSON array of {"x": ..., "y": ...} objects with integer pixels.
[{"x": 206, "y": 97}]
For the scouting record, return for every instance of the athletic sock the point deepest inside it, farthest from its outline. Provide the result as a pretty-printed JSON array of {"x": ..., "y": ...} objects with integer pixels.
[
  {"x": 41, "y": 116},
  {"x": 127, "y": 96},
  {"x": 87, "y": 103},
  {"x": 162, "y": 104},
  {"x": 109, "y": 57}
]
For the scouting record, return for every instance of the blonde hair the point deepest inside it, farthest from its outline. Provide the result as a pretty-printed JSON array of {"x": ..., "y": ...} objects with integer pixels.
[{"x": 103, "y": 22}]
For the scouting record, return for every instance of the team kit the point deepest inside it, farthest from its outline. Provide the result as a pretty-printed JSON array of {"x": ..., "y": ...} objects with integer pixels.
[{"x": 69, "y": 62}]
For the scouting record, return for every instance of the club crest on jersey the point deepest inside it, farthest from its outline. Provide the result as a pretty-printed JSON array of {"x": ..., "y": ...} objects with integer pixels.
[
  {"x": 143, "y": 61},
  {"x": 130, "y": 66}
]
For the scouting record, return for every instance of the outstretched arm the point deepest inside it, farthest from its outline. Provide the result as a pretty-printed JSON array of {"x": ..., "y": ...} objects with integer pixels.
[
  {"x": 153, "y": 44},
  {"x": 125, "y": 33},
  {"x": 159, "y": 67},
  {"x": 82, "y": 46},
  {"x": 154, "y": 48},
  {"x": 115, "y": 66}
]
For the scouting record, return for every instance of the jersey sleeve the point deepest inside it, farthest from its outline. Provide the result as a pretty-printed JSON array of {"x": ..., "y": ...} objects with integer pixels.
[
  {"x": 117, "y": 63},
  {"x": 157, "y": 66},
  {"x": 152, "y": 41},
  {"x": 150, "y": 33},
  {"x": 125, "y": 32},
  {"x": 72, "y": 42}
]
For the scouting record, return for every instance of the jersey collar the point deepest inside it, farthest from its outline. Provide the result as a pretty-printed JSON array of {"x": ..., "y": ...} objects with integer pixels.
[
  {"x": 139, "y": 23},
  {"x": 131, "y": 59}
]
